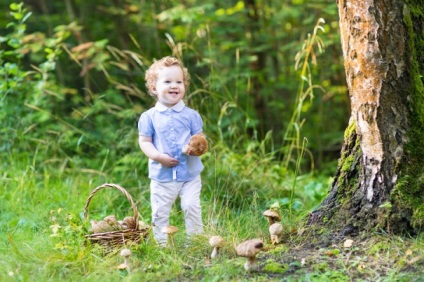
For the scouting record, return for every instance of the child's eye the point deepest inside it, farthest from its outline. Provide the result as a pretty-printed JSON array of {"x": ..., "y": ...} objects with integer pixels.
[
  {"x": 167, "y": 81},
  {"x": 179, "y": 82}
]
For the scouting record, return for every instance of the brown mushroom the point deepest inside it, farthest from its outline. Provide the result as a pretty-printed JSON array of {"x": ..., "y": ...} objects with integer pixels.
[
  {"x": 95, "y": 228},
  {"x": 249, "y": 249},
  {"x": 275, "y": 230},
  {"x": 142, "y": 225},
  {"x": 128, "y": 222},
  {"x": 272, "y": 216},
  {"x": 100, "y": 226},
  {"x": 113, "y": 223},
  {"x": 170, "y": 231},
  {"x": 216, "y": 243},
  {"x": 197, "y": 146}
]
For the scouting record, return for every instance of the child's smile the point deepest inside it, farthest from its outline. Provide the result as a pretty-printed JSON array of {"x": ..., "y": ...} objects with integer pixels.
[{"x": 169, "y": 86}]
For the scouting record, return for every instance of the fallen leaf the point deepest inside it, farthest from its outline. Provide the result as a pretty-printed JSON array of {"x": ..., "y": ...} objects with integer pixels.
[
  {"x": 333, "y": 252},
  {"x": 207, "y": 262},
  {"x": 348, "y": 243},
  {"x": 414, "y": 260},
  {"x": 300, "y": 231},
  {"x": 55, "y": 228},
  {"x": 408, "y": 252}
]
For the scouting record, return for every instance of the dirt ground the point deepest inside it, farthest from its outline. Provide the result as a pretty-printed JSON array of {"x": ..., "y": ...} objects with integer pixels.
[{"x": 343, "y": 258}]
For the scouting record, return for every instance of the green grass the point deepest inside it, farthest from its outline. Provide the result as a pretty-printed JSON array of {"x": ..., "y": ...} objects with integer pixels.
[{"x": 42, "y": 233}]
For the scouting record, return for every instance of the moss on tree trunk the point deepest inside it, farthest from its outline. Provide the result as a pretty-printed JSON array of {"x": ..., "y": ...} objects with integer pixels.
[{"x": 408, "y": 194}]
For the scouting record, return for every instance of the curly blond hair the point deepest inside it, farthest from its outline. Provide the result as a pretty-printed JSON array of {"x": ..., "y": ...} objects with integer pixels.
[{"x": 152, "y": 72}]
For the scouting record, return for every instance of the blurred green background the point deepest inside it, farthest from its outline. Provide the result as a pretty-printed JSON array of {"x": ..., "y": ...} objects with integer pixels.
[{"x": 267, "y": 78}]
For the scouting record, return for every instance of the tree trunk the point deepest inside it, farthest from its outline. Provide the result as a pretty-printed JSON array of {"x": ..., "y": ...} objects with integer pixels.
[{"x": 380, "y": 177}]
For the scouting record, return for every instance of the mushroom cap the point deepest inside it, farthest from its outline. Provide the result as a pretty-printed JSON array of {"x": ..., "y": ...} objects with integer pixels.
[
  {"x": 129, "y": 222},
  {"x": 249, "y": 248},
  {"x": 94, "y": 226},
  {"x": 216, "y": 241},
  {"x": 142, "y": 225},
  {"x": 169, "y": 229},
  {"x": 126, "y": 253},
  {"x": 273, "y": 214},
  {"x": 111, "y": 220},
  {"x": 101, "y": 226},
  {"x": 197, "y": 145},
  {"x": 275, "y": 228}
]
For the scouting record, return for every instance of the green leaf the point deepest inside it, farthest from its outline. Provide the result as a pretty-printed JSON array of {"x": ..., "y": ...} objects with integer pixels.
[
  {"x": 26, "y": 16},
  {"x": 15, "y": 6},
  {"x": 17, "y": 16}
]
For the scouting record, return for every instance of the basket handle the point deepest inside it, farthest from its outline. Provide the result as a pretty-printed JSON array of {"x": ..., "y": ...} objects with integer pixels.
[{"x": 116, "y": 186}]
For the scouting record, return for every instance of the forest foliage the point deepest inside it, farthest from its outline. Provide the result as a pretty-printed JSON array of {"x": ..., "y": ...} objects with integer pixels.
[{"x": 267, "y": 78}]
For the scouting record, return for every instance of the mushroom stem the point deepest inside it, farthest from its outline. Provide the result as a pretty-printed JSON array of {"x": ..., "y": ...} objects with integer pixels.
[
  {"x": 276, "y": 230},
  {"x": 251, "y": 264},
  {"x": 214, "y": 252},
  {"x": 275, "y": 239},
  {"x": 128, "y": 265},
  {"x": 171, "y": 240}
]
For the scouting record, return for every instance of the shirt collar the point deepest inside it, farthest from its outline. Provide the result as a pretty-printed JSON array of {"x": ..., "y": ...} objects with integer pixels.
[{"x": 177, "y": 107}]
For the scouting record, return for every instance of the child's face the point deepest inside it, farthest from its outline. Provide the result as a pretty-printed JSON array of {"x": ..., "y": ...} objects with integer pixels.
[{"x": 169, "y": 86}]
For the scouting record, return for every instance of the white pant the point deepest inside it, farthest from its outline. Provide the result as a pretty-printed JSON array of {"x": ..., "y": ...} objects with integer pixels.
[{"x": 163, "y": 196}]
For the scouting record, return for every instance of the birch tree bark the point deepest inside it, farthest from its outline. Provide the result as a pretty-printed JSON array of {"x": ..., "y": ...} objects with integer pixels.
[{"x": 380, "y": 176}]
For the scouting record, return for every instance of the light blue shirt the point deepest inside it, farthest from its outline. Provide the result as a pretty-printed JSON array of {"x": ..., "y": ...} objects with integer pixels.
[{"x": 171, "y": 129}]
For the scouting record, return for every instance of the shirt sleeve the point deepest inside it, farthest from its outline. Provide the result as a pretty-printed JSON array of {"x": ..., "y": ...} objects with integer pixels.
[
  {"x": 197, "y": 123},
  {"x": 145, "y": 125}
]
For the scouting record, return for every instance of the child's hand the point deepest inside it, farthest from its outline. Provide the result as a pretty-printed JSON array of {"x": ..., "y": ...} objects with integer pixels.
[{"x": 167, "y": 160}]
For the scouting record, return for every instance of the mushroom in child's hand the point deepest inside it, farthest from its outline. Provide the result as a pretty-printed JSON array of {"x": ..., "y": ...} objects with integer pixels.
[
  {"x": 197, "y": 146},
  {"x": 275, "y": 230},
  {"x": 249, "y": 249},
  {"x": 125, "y": 253},
  {"x": 170, "y": 231},
  {"x": 272, "y": 216},
  {"x": 216, "y": 243}
]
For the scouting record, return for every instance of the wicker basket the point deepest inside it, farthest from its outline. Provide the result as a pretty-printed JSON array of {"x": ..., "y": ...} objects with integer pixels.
[{"x": 117, "y": 237}]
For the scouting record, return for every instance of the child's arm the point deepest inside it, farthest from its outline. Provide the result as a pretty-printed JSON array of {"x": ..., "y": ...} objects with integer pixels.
[{"x": 151, "y": 152}]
